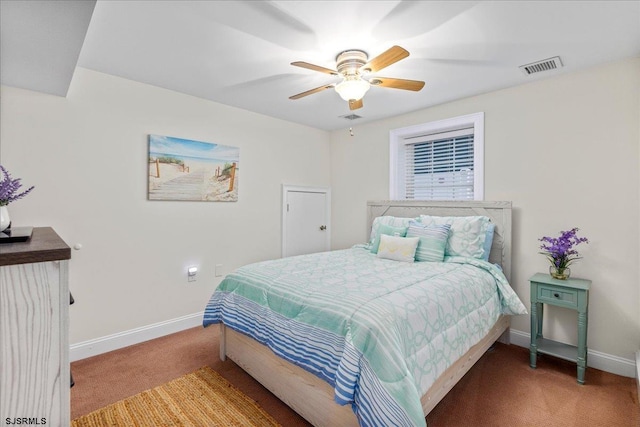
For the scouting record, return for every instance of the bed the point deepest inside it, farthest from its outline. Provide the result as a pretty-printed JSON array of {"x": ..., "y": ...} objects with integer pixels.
[{"x": 382, "y": 341}]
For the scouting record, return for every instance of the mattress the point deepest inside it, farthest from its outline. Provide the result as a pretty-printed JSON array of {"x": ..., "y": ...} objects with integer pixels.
[{"x": 378, "y": 331}]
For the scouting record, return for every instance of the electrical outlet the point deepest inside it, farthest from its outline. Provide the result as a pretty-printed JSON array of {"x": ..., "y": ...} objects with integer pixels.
[
  {"x": 219, "y": 270},
  {"x": 191, "y": 274}
]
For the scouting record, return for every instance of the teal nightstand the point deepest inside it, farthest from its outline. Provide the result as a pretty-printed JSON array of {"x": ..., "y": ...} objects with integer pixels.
[{"x": 572, "y": 294}]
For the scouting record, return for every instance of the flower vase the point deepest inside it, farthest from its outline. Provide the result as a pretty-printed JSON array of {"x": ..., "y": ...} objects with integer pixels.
[
  {"x": 5, "y": 221},
  {"x": 559, "y": 273}
]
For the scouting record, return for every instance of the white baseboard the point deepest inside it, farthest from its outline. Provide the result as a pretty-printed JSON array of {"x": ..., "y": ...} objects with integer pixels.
[
  {"x": 595, "y": 359},
  {"x": 108, "y": 343}
]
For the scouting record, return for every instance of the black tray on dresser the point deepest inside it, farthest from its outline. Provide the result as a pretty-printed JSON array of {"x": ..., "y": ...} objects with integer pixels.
[{"x": 16, "y": 234}]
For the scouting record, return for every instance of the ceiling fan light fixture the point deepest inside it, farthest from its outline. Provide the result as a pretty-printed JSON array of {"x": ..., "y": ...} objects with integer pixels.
[
  {"x": 351, "y": 65},
  {"x": 352, "y": 88}
]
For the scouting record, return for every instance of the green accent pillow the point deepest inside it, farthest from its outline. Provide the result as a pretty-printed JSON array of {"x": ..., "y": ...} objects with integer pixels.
[
  {"x": 389, "y": 231},
  {"x": 387, "y": 220},
  {"x": 433, "y": 240}
]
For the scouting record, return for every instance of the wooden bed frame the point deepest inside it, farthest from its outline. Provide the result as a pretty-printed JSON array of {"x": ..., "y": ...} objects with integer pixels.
[{"x": 310, "y": 396}]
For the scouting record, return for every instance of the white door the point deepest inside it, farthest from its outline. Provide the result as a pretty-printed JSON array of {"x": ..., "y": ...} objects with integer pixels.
[{"x": 305, "y": 220}]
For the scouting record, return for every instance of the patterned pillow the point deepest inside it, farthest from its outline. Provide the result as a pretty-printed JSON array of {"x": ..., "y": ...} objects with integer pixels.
[
  {"x": 467, "y": 234},
  {"x": 398, "y": 248},
  {"x": 433, "y": 240},
  {"x": 389, "y": 231},
  {"x": 387, "y": 220}
]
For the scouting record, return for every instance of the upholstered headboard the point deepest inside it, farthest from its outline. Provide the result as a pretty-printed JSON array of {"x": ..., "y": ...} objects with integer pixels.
[{"x": 498, "y": 212}]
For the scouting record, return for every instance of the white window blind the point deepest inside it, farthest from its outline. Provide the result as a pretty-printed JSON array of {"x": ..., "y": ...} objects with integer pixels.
[
  {"x": 440, "y": 166},
  {"x": 440, "y": 160}
]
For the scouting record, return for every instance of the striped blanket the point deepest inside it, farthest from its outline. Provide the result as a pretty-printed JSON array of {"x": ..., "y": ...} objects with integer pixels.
[{"x": 379, "y": 331}]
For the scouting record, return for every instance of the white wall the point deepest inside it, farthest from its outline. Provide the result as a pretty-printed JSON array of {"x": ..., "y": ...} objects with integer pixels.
[
  {"x": 565, "y": 151},
  {"x": 87, "y": 156}
]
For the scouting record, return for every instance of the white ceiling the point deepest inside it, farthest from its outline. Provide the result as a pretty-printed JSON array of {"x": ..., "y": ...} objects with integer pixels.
[
  {"x": 40, "y": 42},
  {"x": 239, "y": 52}
]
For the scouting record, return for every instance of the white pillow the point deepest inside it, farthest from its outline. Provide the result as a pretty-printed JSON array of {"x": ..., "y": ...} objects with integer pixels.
[
  {"x": 467, "y": 234},
  {"x": 398, "y": 248}
]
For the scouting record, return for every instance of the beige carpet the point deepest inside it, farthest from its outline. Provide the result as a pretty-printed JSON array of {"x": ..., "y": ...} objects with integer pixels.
[
  {"x": 202, "y": 398},
  {"x": 501, "y": 390}
]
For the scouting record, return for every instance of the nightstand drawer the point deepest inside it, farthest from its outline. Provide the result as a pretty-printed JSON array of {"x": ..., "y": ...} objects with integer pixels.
[{"x": 558, "y": 296}]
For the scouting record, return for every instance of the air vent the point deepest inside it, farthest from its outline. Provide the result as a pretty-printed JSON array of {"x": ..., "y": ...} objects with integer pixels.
[
  {"x": 540, "y": 66},
  {"x": 351, "y": 117}
]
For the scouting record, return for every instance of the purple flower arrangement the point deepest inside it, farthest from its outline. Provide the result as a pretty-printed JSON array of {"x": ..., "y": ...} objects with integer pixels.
[
  {"x": 560, "y": 250},
  {"x": 9, "y": 188}
]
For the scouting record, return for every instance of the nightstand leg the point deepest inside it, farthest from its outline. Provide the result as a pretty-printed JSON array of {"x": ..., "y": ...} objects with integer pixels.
[
  {"x": 536, "y": 327},
  {"x": 582, "y": 346},
  {"x": 540, "y": 317}
]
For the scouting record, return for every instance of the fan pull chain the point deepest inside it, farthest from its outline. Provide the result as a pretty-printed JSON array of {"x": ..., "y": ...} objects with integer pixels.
[{"x": 351, "y": 131}]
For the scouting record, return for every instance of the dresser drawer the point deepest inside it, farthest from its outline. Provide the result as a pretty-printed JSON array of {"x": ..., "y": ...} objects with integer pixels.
[{"x": 558, "y": 295}]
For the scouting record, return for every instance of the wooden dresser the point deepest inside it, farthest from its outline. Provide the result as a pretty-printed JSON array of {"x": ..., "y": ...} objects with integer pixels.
[{"x": 34, "y": 330}]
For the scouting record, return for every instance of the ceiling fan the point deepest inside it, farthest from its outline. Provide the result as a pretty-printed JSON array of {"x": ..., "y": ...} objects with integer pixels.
[{"x": 353, "y": 66}]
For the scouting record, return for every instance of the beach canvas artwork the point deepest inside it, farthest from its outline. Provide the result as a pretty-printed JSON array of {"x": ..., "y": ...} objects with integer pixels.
[{"x": 183, "y": 169}]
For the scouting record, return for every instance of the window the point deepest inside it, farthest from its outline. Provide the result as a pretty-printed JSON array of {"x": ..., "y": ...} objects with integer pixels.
[{"x": 440, "y": 160}]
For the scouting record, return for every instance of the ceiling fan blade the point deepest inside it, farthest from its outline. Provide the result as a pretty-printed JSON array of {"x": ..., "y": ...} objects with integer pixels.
[
  {"x": 314, "y": 67},
  {"x": 414, "y": 85},
  {"x": 354, "y": 105},
  {"x": 390, "y": 56},
  {"x": 312, "y": 91}
]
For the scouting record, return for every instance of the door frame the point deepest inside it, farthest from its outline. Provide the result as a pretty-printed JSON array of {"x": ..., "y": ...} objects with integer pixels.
[{"x": 297, "y": 188}]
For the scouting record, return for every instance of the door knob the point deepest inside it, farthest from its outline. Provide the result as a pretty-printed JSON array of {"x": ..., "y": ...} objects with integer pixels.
[{"x": 323, "y": 227}]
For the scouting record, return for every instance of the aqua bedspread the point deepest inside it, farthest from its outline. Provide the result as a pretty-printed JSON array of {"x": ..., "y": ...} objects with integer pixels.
[{"x": 379, "y": 331}]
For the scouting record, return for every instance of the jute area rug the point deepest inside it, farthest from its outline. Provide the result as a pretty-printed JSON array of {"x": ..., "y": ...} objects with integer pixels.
[{"x": 200, "y": 399}]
